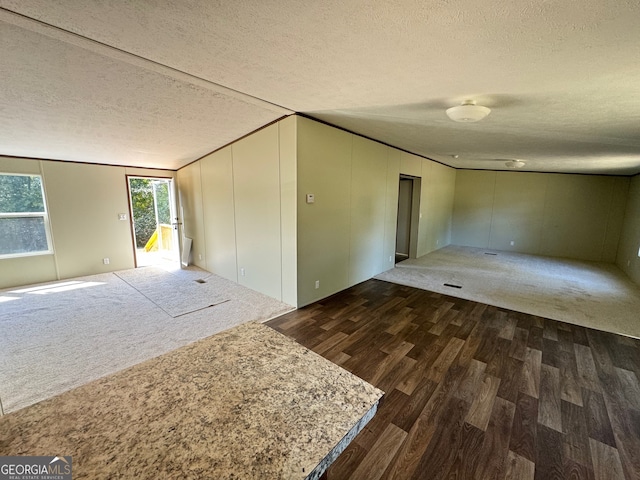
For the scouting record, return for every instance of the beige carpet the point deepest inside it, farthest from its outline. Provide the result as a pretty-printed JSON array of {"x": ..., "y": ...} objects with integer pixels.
[
  {"x": 595, "y": 295},
  {"x": 60, "y": 335}
]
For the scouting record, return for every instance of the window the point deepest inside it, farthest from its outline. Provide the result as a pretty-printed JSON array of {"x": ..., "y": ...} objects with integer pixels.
[{"x": 24, "y": 225}]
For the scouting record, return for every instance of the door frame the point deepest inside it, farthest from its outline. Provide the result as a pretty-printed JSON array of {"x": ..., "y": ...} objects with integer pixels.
[
  {"x": 414, "y": 218},
  {"x": 173, "y": 209}
]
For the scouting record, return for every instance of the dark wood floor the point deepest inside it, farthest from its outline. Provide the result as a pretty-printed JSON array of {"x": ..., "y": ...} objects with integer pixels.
[{"x": 477, "y": 392}]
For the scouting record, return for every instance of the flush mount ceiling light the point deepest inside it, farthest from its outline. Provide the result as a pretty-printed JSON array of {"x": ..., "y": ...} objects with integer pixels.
[
  {"x": 468, "y": 112},
  {"x": 514, "y": 163}
]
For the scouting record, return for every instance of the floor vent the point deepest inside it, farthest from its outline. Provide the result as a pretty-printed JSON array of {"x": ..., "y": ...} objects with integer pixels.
[
  {"x": 200, "y": 280},
  {"x": 487, "y": 253},
  {"x": 452, "y": 285}
]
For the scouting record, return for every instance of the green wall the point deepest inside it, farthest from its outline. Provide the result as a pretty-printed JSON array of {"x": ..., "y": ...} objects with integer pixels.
[
  {"x": 348, "y": 234},
  {"x": 245, "y": 208},
  {"x": 573, "y": 216},
  {"x": 629, "y": 250},
  {"x": 239, "y": 209},
  {"x": 83, "y": 202}
]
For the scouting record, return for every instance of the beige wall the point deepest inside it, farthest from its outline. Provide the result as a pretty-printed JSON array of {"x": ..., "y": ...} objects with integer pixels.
[
  {"x": 436, "y": 206},
  {"x": 32, "y": 269},
  {"x": 244, "y": 207},
  {"x": 83, "y": 202},
  {"x": 629, "y": 250},
  {"x": 288, "y": 132},
  {"x": 574, "y": 216},
  {"x": 323, "y": 230},
  {"x": 368, "y": 205},
  {"x": 391, "y": 208},
  {"x": 192, "y": 212},
  {"x": 239, "y": 209},
  {"x": 437, "y": 187},
  {"x": 256, "y": 187},
  {"x": 219, "y": 213},
  {"x": 348, "y": 234}
]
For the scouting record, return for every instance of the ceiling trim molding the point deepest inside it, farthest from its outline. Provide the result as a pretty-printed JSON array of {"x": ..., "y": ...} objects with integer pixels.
[
  {"x": 79, "y": 162},
  {"x": 117, "y": 54},
  {"x": 588, "y": 174}
]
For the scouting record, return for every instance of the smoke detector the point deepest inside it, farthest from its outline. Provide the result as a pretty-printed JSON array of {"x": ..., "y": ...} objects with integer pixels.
[{"x": 514, "y": 164}]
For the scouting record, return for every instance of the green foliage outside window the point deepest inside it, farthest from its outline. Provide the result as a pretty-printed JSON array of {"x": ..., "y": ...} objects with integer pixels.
[
  {"x": 22, "y": 215},
  {"x": 21, "y": 194}
]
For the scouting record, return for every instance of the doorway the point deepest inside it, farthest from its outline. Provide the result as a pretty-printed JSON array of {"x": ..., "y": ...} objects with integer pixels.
[
  {"x": 154, "y": 221},
  {"x": 408, "y": 217}
]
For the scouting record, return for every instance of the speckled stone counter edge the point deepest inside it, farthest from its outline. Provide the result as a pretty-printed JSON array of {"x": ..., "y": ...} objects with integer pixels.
[
  {"x": 141, "y": 396},
  {"x": 343, "y": 444}
]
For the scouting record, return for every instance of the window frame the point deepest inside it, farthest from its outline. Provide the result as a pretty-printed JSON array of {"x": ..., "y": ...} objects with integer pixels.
[{"x": 44, "y": 215}]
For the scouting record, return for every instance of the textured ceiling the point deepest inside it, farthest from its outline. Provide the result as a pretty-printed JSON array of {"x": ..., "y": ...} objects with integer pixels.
[{"x": 159, "y": 83}]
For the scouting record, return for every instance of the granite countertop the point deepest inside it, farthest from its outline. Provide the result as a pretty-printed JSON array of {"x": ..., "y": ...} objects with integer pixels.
[{"x": 246, "y": 403}]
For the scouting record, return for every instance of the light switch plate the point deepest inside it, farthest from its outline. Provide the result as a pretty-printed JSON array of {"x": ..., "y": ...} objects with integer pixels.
[
  {"x": 311, "y": 198},
  {"x": 122, "y": 216}
]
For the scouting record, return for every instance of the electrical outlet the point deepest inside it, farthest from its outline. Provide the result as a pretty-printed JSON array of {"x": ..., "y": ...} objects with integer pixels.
[
  {"x": 317, "y": 284},
  {"x": 199, "y": 256},
  {"x": 105, "y": 261},
  {"x": 391, "y": 258},
  {"x": 242, "y": 272},
  {"x": 122, "y": 216}
]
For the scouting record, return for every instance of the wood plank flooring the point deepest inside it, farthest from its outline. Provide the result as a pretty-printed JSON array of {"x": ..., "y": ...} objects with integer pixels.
[{"x": 475, "y": 391}]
